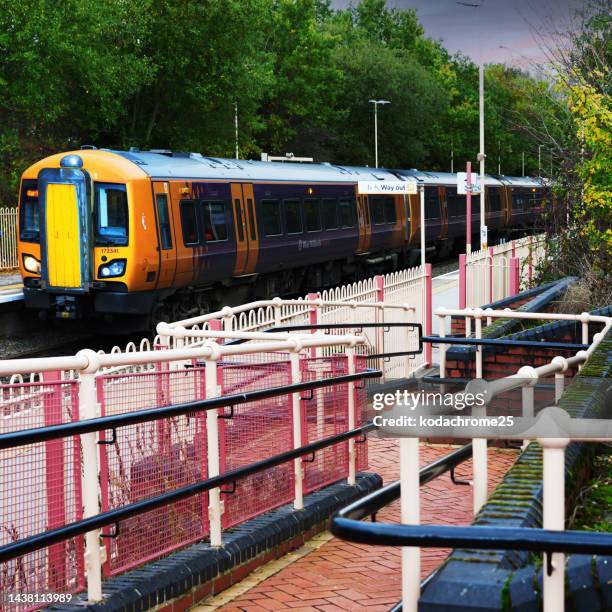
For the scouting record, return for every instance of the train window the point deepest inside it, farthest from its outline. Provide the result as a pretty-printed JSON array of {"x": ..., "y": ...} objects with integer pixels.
[
  {"x": 390, "y": 216},
  {"x": 215, "y": 226},
  {"x": 494, "y": 199},
  {"x": 111, "y": 214},
  {"x": 239, "y": 219},
  {"x": 251, "y": 208},
  {"x": 455, "y": 202},
  {"x": 189, "y": 223},
  {"x": 377, "y": 208},
  {"x": 29, "y": 220},
  {"x": 330, "y": 214},
  {"x": 312, "y": 215},
  {"x": 432, "y": 203},
  {"x": 293, "y": 218},
  {"x": 271, "y": 217},
  {"x": 518, "y": 199},
  {"x": 165, "y": 230},
  {"x": 345, "y": 213}
]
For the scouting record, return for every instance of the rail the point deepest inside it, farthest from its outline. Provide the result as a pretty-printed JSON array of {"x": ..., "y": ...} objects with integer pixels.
[
  {"x": 552, "y": 540},
  {"x": 107, "y": 447}
]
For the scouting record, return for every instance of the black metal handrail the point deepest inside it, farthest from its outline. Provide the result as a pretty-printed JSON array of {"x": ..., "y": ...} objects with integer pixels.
[
  {"x": 567, "y": 346},
  {"x": 51, "y": 432},
  {"x": 315, "y": 326},
  {"x": 372, "y": 503},
  {"x": 60, "y": 534},
  {"x": 473, "y": 536}
]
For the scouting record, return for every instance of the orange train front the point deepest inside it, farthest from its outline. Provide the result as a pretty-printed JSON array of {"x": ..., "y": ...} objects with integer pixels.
[{"x": 161, "y": 235}]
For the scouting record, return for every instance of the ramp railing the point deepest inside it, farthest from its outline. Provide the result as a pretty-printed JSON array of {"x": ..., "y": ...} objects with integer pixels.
[{"x": 551, "y": 539}]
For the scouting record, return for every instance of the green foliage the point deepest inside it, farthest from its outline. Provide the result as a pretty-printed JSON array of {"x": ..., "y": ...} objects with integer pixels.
[{"x": 167, "y": 74}]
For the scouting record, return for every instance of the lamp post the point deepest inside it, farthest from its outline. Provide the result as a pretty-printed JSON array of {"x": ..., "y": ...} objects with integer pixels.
[
  {"x": 236, "y": 126},
  {"x": 481, "y": 155},
  {"x": 540, "y": 160},
  {"x": 376, "y": 103}
]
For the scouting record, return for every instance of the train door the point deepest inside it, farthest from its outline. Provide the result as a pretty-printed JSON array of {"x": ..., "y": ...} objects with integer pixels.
[
  {"x": 363, "y": 223},
  {"x": 245, "y": 224},
  {"x": 165, "y": 234},
  {"x": 65, "y": 207}
]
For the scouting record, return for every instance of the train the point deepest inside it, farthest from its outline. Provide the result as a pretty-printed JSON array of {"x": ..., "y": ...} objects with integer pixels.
[{"x": 161, "y": 235}]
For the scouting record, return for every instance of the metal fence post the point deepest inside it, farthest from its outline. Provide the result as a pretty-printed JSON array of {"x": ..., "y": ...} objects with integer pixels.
[
  {"x": 410, "y": 515},
  {"x": 88, "y": 409},
  {"x": 442, "y": 347},
  {"x": 514, "y": 275},
  {"x": 215, "y": 508},
  {"x": 55, "y": 478},
  {"x": 479, "y": 445},
  {"x": 553, "y": 451},
  {"x": 428, "y": 312},
  {"x": 352, "y": 417},
  {"x": 296, "y": 409},
  {"x": 491, "y": 253},
  {"x": 379, "y": 284},
  {"x": 462, "y": 281}
]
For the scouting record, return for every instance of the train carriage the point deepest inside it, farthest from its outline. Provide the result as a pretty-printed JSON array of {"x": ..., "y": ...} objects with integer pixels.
[{"x": 162, "y": 235}]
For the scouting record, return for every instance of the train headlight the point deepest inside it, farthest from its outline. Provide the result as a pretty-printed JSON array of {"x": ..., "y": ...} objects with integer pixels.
[
  {"x": 31, "y": 264},
  {"x": 112, "y": 268}
]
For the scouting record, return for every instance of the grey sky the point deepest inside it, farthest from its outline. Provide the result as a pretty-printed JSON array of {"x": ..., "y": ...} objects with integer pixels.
[{"x": 479, "y": 32}]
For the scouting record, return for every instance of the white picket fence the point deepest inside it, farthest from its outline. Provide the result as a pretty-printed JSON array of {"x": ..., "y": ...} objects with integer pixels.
[
  {"x": 8, "y": 239},
  {"x": 498, "y": 272},
  {"x": 398, "y": 297}
]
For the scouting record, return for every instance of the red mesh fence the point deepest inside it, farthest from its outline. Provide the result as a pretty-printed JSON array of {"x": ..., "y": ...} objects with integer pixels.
[
  {"x": 40, "y": 489},
  {"x": 40, "y": 484},
  {"x": 257, "y": 431},
  {"x": 148, "y": 459},
  {"x": 325, "y": 415}
]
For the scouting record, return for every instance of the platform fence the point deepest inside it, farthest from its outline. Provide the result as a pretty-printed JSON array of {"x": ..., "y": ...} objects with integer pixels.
[
  {"x": 492, "y": 274},
  {"x": 8, "y": 239},
  {"x": 107, "y": 442}
]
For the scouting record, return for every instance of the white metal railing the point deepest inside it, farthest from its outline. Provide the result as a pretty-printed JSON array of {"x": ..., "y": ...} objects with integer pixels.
[
  {"x": 400, "y": 297},
  {"x": 8, "y": 239},
  {"x": 403, "y": 297},
  {"x": 553, "y": 448},
  {"x": 89, "y": 365}
]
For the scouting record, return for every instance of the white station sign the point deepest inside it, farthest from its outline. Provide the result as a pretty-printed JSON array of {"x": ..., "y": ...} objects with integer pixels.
[
  {"x": 462, "y": 182},
  {"x": 387, "y": 187}
]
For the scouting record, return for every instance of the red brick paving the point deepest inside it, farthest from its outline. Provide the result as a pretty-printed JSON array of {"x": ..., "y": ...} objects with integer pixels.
[{"x": 345, "y": 576}]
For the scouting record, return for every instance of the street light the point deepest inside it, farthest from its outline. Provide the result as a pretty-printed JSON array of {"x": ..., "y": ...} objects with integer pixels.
[
  {"x": 481, "y": 155},
  {"x": 236, "y": 126},
  {"x": 376, "y": 103}
]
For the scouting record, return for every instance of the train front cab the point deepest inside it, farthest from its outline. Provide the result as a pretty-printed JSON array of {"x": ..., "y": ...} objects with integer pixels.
[{"x": 80, "y": 247}]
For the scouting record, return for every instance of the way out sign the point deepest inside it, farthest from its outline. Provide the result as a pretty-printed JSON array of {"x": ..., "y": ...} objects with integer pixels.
[
  {"x": 462, "y": 183},
  {"x": 387, "y": 187}
]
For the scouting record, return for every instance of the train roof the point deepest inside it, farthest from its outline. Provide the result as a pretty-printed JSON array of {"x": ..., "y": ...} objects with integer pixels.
[
  {"x": 164, "y": 164},
  {"x": 450, "y": 178}
]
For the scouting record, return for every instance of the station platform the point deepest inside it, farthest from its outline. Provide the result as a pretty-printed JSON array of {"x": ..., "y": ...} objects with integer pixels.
[
  {"x": 11, "y": 288},
  {"x": 445, "y": 292},
  {"x": 328, "y": 574}
]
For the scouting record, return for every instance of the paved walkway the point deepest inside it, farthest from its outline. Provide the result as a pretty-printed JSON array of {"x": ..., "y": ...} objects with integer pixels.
[{"x": 328, "y": 574}]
